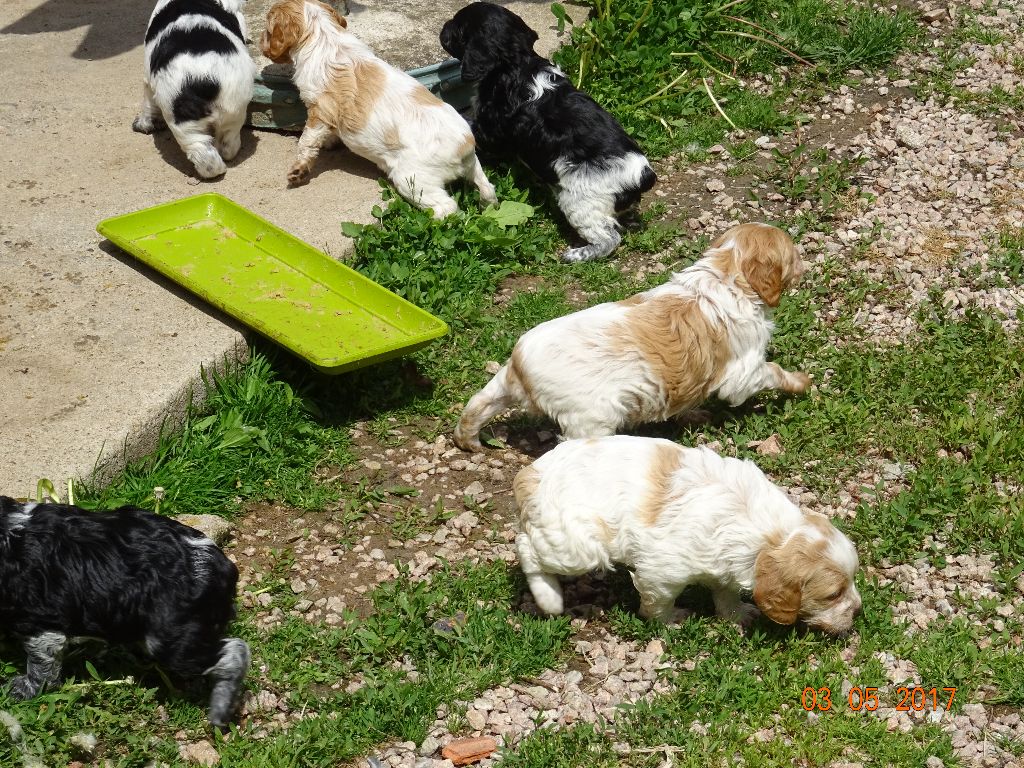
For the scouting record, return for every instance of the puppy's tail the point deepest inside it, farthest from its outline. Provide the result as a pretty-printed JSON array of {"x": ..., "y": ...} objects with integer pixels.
[{"x": 494, "y": 398}]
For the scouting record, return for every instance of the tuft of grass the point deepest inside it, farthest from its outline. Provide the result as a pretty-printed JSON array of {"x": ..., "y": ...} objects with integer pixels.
[
  {"x": 1008, "y": 257},
  {"x": 253, "y": 437},
  {"x": 802, "y": 174}
]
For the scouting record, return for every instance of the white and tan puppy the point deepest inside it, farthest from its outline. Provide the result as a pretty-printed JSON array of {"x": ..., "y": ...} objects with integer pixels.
[
  {"x": 656, "y": 354},
  {"x": 678, "y": 516},
  {"x": 378, "y": 111}
]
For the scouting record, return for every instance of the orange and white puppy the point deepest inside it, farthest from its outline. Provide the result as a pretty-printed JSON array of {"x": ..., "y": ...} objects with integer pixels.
[
  {"x": 379, "y": 112},
  {"x": 678, "y": 516},
  {"x": 656, "y": 354}
]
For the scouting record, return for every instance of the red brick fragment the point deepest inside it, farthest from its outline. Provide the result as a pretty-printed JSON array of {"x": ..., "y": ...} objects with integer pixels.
[{"x": 467, "y": 751}]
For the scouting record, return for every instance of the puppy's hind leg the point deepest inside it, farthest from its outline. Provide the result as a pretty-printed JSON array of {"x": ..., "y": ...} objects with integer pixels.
[
  {"x": 196, "y": 142},
  {"x": 45, "y": 653},
  {"x": 546, "y": 590},
  {"x": 424, "y": 192},
  {"x": 227, "y": 675},
  {"x": 494, "y": 398},
  {"x": 593, "y": 217}
]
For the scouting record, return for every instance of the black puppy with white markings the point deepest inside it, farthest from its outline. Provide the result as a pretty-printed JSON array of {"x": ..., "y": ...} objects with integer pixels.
[
  {"x": 527, "y": 108},
  {"x": 126, "y": 576},
  {"x": 199, "y": 79}
]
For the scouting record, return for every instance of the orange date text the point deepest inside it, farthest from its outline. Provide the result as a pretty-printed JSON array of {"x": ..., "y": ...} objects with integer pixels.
[{"x": 866, "y": 698}]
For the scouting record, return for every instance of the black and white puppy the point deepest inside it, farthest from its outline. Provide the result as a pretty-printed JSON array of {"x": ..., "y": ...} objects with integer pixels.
[
  {"x": 525, "y": 107},
  {"x": 126, "y": 576},
  {"x": 199, "y": 79}
]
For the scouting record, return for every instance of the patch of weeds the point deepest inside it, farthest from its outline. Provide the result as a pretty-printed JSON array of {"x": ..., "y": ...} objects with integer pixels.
[
  {"x": 408, "y": 521},
  {"x": 803, "y": 174},
  {"x": 441, "y": 629},
  {"x": 252, "y": 438},
  {"x": 660, "y": 67},
  {"x": 452, "y": 266},
  {"x": 582, "y": 745},
  {"x": 1008, "y": 256}
]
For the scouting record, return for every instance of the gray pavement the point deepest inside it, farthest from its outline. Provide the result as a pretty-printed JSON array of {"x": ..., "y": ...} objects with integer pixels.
[{"x": 96, "y": 351}]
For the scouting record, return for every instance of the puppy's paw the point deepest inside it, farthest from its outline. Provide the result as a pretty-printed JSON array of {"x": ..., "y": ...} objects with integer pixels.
[
  {"x": 22, "y": 688},
  {"x": 145, "y": 124},
  {"x": 576, "y": 255},
  {"x": 745, "y": 616},
  {"x": 798, "y": 383},
  {"x": 298, "y": 175}
]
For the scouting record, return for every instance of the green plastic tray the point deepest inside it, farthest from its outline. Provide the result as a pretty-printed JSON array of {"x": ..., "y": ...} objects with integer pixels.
[{"x": 284, "y": 288}]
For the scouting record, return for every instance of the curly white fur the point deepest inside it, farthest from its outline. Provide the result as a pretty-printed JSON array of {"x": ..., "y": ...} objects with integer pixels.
[{"x": 679, "y": 516}]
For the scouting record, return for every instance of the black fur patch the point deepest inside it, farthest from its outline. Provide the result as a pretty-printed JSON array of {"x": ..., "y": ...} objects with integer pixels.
[
  {"x": 175, "y": 9},
  {"x": 564, "y": 125},
  {"x": 124, "y": 576},
  {"x": 193, "y": 42},
  {"x": 195, "y": 101}
]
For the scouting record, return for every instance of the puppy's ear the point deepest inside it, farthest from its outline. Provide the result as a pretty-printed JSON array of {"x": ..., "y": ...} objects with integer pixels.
[
  {"x": 777, "y": 585},
  {"x": 337, "y": 16},
  {"x": 759, "y": 254},
  {"x": 284, "y": 28},
  {"x": 506, "y": 39},
  {"x": 451, "y": 39}
]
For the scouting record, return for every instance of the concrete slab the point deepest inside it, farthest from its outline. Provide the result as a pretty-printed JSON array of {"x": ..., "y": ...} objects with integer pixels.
[{"x": 96, "y": 352}]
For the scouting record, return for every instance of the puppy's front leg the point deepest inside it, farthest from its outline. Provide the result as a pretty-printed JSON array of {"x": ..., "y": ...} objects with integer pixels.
[
  {"x": 729, "y": 606},
  {"x": 314, "y": 135},
  {"x": 786, "y": 381},
  {"x": 149, "y": 118},
  {"x": 45, "y": 652},
  {"x": 228, "y": 674}
]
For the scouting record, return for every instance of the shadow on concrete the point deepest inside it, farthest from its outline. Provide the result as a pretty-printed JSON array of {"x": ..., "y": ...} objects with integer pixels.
[
  {"x": 169, "y": 150},
  {"x": 113, "y": 28}
]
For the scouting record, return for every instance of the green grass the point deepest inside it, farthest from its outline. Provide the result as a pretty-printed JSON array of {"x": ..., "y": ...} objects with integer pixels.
[
  {"x": 1008, "y": 255},
  {"x": 451, "y": 267},
  {"x": 644, "y": 60},
  {"x": 253, "y": 437}
]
